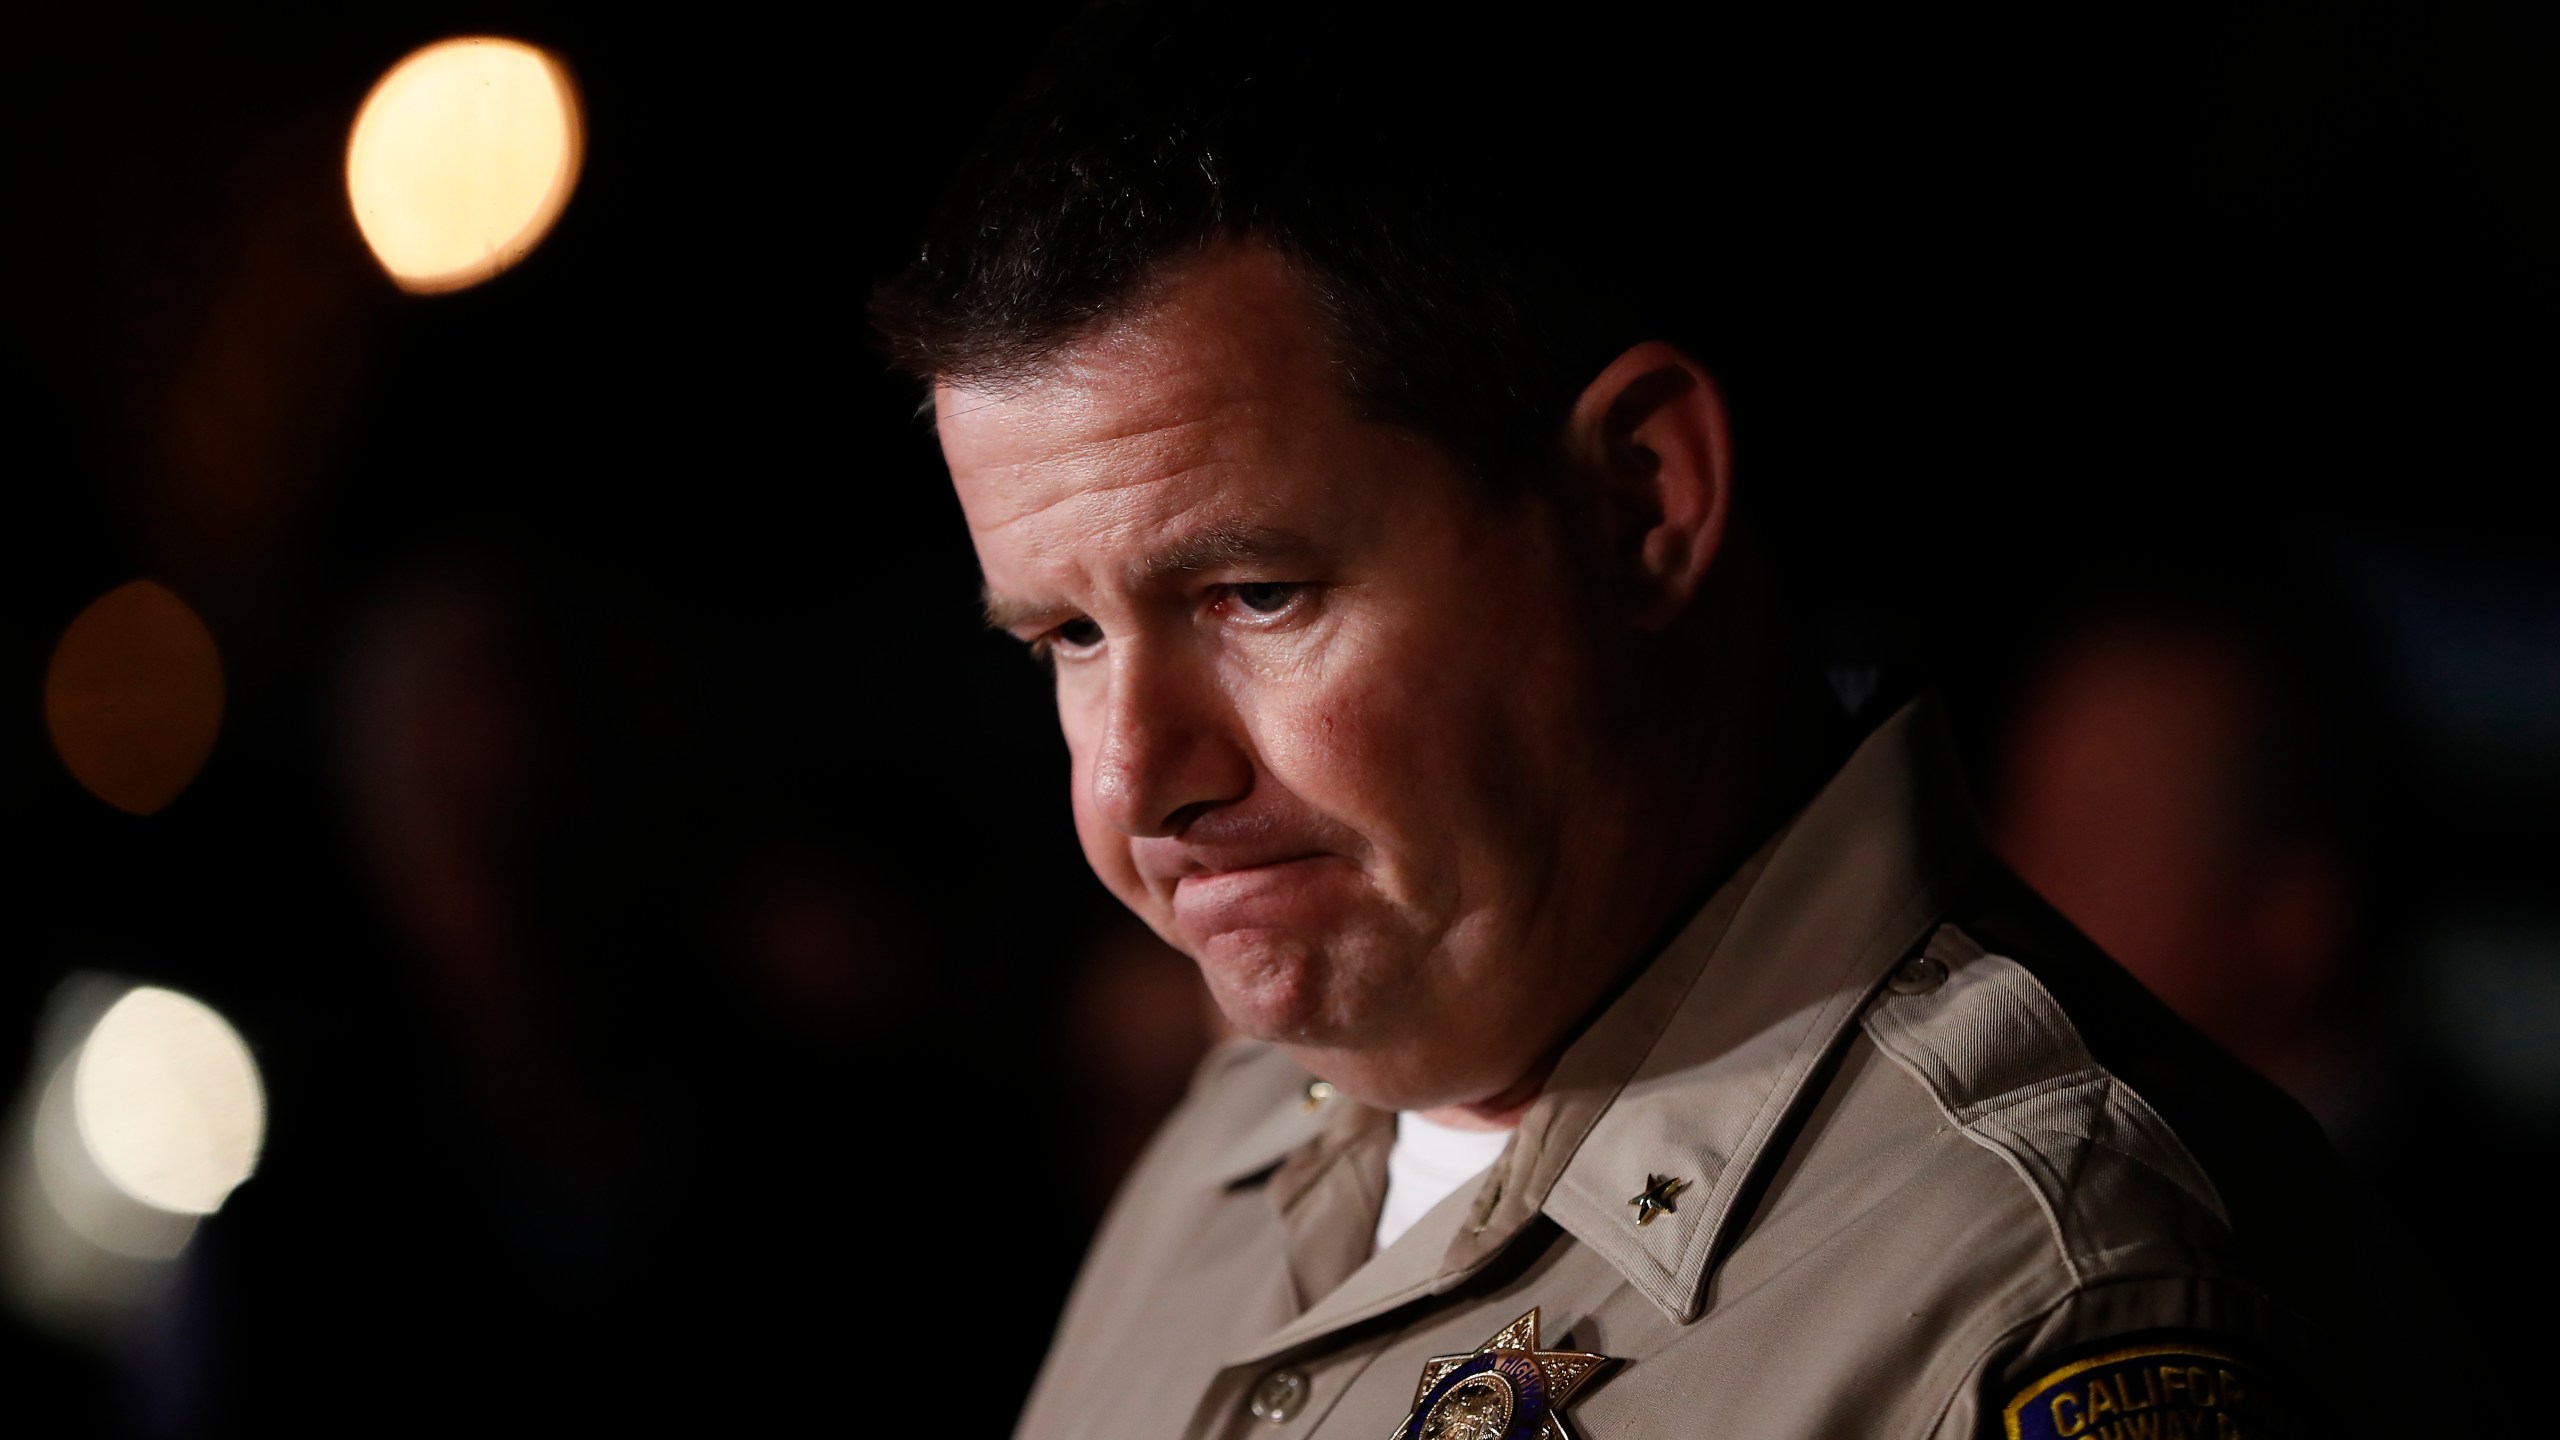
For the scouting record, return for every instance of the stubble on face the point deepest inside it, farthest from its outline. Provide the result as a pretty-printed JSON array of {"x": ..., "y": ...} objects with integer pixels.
[{"x": 1318, "y": 688}]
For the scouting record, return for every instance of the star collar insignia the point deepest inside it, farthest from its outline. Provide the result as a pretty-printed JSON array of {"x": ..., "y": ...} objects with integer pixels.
[
  {"x": 1656, "y": 1199},
  {"x": 1505, "y": 1389}
]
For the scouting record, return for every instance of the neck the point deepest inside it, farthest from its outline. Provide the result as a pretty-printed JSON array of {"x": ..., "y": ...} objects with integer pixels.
[
  {"x": 1501, "y": 1111},
  {"x": 1743, "y": 770}
]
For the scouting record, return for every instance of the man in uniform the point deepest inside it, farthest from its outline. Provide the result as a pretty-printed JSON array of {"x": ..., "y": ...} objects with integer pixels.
[{"x": 1641, "y": 1041}]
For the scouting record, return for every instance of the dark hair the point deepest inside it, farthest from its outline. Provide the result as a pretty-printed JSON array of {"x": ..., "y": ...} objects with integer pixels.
[{"x": 1478, "y": 214}]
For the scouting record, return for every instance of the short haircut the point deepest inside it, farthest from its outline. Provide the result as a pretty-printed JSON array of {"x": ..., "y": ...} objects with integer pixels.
[{"x": 1482, "y": 217}]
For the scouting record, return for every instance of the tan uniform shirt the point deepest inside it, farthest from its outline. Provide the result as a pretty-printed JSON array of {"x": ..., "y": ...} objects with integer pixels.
[{"x": 1900, "y": 1181}]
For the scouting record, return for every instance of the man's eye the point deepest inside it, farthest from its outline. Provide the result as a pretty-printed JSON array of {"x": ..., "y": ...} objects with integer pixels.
[
  {"x": 1079, "y": 634},
  {"x": 1265, "y": 597}
]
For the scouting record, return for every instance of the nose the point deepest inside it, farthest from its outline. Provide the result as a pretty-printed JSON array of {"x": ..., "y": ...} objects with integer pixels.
[{"x": 1169, "y": 747}]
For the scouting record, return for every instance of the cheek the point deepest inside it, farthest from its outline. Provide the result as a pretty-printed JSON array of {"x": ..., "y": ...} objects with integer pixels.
[
  {"x": 1361, "y": 741},
  {"x": 1426, "y": 736}
]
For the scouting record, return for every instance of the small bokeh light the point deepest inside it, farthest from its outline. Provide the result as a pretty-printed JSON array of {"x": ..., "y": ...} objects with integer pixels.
[
  {"x": 133, "y": 697},
  {"x": 142, "y": 1112},
  {"x": 460, "y": 160}
]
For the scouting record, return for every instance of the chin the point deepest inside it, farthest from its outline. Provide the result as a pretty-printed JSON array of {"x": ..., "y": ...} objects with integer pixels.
[{"x": 1272, "y": 986}]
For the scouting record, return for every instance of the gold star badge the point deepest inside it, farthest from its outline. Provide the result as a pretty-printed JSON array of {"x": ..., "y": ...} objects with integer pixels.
[
  {"x": 1656, "y": 1199},
  {"x": 1504, "y": 1387}
]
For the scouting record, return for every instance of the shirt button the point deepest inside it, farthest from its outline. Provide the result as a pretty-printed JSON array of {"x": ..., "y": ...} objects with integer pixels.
[
  {"x": 1918, "y": 976},
  {"x": 1280, "y": 1396}
]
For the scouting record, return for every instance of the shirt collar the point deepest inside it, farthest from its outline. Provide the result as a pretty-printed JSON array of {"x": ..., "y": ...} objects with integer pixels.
[
  {"x": 1693, "y": 1071},
  {"x": 1311, "y": 1115}
]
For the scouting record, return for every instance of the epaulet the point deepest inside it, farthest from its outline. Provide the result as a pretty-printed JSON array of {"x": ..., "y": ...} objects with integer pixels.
[{"x": 2007, "y": 1067}]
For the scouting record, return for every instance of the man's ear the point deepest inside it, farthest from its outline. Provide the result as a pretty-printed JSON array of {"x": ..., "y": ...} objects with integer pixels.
[{"x": 1650, "y": 432}]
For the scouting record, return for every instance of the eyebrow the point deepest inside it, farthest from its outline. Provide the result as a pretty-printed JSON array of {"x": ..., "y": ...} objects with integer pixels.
[{"x": 1210, "y": 548}]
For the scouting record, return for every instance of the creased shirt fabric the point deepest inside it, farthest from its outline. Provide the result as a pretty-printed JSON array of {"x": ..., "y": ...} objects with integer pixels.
[{"x": 1927, "y": 1138}]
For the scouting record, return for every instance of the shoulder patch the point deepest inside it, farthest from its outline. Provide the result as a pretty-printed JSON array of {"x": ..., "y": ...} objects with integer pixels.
[{"x": 2172, "y": 1390}]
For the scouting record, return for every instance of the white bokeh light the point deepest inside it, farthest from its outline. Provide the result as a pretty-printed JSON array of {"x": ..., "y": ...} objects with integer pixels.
[
  {"x": 167, "y": 1102},
  {"x": 461, "y": 158}
]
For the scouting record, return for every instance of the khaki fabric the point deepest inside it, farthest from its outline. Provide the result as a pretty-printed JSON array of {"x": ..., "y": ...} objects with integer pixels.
[{"x": 1920, "y": 1161}]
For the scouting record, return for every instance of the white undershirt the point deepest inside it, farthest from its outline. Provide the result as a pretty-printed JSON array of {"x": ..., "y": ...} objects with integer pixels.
[{"x": 1427, "y": 1164}]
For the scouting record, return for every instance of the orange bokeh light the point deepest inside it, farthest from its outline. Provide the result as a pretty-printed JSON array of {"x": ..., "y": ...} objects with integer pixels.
[
  {"x": 461, "y": 159},
  {"x": 133, "y": 697}
]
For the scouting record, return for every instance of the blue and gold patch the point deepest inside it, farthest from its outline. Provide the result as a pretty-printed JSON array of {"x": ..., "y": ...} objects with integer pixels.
[{"x": 2165, "y": 1391}]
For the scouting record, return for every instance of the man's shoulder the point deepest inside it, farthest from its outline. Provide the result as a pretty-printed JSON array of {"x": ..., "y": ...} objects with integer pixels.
[
  {"x": 2189, "y": 1206},
  {"x": 2004, "y": 1064},
  {"x": 2278, "y": 1182},
  {"x": 2126, "y": 1122}
]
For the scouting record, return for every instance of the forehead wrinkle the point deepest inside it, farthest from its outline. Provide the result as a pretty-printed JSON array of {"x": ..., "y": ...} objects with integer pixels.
[
  {"x": 1073, "y": 433},
  {"x": 1123, "y": 457},
  {"x": 1068, "y": 496},
  {"x": 1069, "y": 421},
  {"x": 1090, "y": 467},
  {"x": 1079, "y": 555}
]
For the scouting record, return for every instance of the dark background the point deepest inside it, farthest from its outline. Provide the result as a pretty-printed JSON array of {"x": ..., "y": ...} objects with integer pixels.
[{"x": 707, "y": 1049}]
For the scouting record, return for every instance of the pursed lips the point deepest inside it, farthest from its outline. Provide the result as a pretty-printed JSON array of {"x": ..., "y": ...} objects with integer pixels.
[
  {"x": 1248, "y": 868},
  {"x": 1171, "y": 873},
  {"x": 1222, "y": 887},
  {"x": 1274, "y": 893}
]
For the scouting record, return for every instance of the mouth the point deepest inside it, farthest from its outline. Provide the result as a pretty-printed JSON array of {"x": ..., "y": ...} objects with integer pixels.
[
  {"x": 1281, "y": 893},
  {"x": 1212, "y": 871}
]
